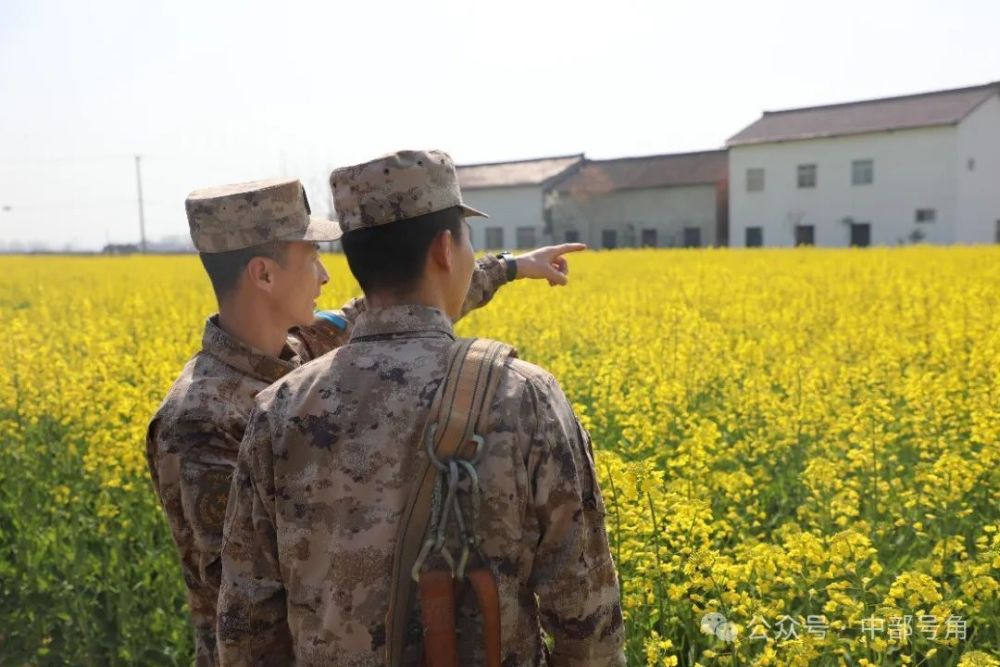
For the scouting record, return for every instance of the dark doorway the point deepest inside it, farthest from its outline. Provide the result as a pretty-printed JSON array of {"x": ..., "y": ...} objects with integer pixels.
[
  {"x": 754, "y": 237},
  {"x": 609, "y": 239},
  {"x": 649, "y": 238},
  {"x": 861, "y": 234},
  {"x": 805, "y": 235},
  {"x": 572, "y": 236},
  {"x": 692, "y": 237}
]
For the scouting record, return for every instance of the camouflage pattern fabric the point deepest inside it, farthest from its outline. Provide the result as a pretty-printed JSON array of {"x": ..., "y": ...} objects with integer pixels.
[
  {"x": 403, "y": 185},
  {"x": 232, "y": 217},
  {"x": 324, "y": 472},
  {"x": 193, "y": 439}
]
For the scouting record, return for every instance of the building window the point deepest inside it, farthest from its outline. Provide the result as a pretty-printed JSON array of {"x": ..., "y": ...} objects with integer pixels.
[
  {"x": 754, "y": 237},
  {"x": 755, "y": 180},
  {"x": 649, "y": 238},
  {"x": 862, "y": 172},
  {"x": 861, "y": 234},
  {"x": 926, "y": 215},
  {"x": 494, "y": 238},
  {"x": 609, "y": 239},
  {"x": 572, "y": 236},
  {"x": 692, "y": 237},
  {"x": 997, "y": 239},
  {"x": 805, "y": 235},
  {"x": 807, "y": 175},
  {"x": 526, "y": 237}
]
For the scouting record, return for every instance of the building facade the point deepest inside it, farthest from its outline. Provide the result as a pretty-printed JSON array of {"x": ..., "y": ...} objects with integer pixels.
[
  {"x": 918, "y": 168},
  {"x": 514, "y": 196},
  {"x": 658, "y": 201}
]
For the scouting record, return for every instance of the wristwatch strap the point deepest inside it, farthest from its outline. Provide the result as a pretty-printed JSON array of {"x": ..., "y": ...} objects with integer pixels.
[{"x": 510, "y": 263}]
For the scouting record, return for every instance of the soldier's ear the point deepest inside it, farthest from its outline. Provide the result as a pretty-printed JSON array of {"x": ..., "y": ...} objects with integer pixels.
[
  {"x": 441, "y": 252},
  {"x": 259, "y": 273}
]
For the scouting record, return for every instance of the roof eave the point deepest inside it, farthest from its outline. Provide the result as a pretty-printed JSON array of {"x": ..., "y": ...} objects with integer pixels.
[
  {"x": 578, "y": 156},
  {"x": 993, "y": 86},
  {"x": 830, "y": 135}
]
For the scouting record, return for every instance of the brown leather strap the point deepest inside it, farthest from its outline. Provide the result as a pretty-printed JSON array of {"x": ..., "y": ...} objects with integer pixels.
[
  {"x": 460, "y": 408},
  {"x": 485, "y": 587},
  {"x": 437, "y": 607}
]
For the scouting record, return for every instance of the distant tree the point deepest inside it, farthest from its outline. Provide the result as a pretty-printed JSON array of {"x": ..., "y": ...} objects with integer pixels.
[{"x": 120, "y": 249}]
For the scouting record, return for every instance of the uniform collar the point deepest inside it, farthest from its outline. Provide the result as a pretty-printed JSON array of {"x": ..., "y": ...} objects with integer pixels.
[
  {"x": 402, "y": 321},
  {"x": 245, "y": 358}
]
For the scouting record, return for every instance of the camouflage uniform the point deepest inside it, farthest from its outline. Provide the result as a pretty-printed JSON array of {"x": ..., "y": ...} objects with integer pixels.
[
  {"x": 193, "y": 439},
  {"x": 328, "y": 461}
]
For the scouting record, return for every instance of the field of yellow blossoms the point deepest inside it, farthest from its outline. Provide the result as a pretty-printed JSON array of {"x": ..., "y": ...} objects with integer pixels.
[{"x": 799, "y": 449}]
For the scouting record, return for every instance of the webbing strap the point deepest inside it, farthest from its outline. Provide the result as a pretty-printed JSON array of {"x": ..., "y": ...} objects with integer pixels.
[
  {"x": 459, "y": 409},
  {"x": 437, "y": 606},
  {"x": 485, "y": 587}
]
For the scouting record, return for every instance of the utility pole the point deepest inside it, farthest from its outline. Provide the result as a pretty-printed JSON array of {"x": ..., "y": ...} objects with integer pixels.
[{"x": 142, "y": 215}]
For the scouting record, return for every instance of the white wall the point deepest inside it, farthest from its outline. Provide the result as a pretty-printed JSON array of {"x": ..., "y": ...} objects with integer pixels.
[
  {"x": 979, "y": 188},
  {"x": 509, "y": 208},
  {"x": 913, "y": 169},
  {"x": 668, "y": 210}
]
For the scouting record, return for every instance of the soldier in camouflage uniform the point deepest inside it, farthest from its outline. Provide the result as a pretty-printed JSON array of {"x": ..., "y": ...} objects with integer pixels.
[
  {"x": 332, "y": 450},
  {"x": 258, "y": 244}
]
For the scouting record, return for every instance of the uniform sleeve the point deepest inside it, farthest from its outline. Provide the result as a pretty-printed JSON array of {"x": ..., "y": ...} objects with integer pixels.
[
  {"x": 253, "y": 615},
  {"x": 574, "y": 575},
  {"x": 191, "y": 464},
  {"x": 489, "y": 276}
]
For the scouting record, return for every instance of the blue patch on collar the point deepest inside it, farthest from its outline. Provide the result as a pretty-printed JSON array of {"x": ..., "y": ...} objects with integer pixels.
[{"x": 333, "y": 318}]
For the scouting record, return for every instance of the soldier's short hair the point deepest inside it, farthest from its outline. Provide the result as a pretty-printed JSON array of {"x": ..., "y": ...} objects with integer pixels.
[
  {"x": 225, "y": 268},
  {"x": 391, "y": 257}
]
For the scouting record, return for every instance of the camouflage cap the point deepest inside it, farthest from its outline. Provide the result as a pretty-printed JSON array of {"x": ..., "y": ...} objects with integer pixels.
[
  {"x": 233, "y": 217},
  {"x": 402, "y": 185}
]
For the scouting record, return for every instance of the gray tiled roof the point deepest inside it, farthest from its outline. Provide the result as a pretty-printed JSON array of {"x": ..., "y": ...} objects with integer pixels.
[
  {"x": 651, "y": 171},
  {"x": 945, "y": 107},
  {"x": 510, "y": 174}
]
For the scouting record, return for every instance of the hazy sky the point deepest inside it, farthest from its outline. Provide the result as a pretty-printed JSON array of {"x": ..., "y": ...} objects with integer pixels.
[{"x": 213, "y": 92}]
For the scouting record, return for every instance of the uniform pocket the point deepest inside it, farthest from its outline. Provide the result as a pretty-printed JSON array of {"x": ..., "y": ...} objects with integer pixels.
[{"x": 204, "y": 495}]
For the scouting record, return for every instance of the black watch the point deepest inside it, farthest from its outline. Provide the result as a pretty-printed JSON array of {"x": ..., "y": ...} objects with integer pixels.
[{"x": 511, "y": 263}]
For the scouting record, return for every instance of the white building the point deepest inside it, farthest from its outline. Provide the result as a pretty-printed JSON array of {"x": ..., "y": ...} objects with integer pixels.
[
  {"x": 649, "y": 201},
  {"x": 513, "y": 194},
  {"x": 896, "y": 170}
]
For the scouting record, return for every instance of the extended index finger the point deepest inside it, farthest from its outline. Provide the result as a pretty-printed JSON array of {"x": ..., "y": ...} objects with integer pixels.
[{"x": 564, "y": 248}]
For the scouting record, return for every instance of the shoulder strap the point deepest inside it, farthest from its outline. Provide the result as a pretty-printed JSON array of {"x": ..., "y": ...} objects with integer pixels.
[{"x": 460, "y": 408}]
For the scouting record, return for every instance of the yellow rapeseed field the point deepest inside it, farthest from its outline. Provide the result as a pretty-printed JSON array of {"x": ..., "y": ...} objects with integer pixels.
[{"x": 799, "y": 449}]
